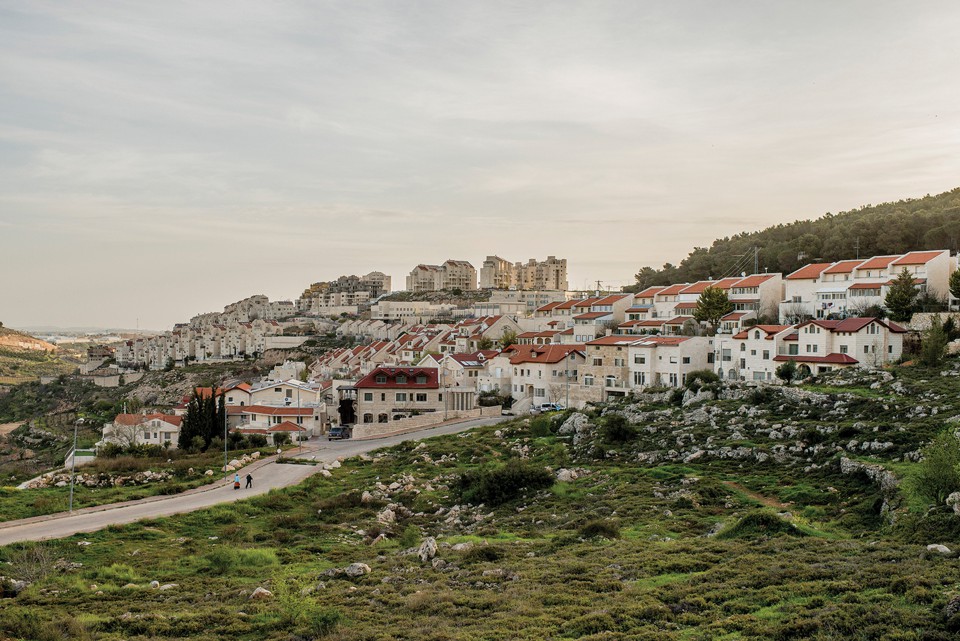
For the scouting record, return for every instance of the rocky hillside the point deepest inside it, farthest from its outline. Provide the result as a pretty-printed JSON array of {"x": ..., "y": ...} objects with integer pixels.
[
  {"x": 817, "y": 511},
  {"x": 13, "y": 340}
]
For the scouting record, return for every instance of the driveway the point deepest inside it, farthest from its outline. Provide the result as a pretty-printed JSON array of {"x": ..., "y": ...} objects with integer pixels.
[{"x": 268, "y": 474}]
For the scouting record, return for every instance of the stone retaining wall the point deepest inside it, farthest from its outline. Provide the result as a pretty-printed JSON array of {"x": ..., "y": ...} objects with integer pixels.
[{"x": 413, "y": 423}]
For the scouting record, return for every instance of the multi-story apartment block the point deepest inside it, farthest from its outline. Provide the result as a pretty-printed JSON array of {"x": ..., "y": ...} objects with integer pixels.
[
  {"x": 453, "y": 274},
  {"x": 497, "y": 273},
  {"x": 538, "y": 373},
  {"x": 413, "y": 311},
  {"x": 549, "y": 274},
  {"x": 852, "y": 287}
]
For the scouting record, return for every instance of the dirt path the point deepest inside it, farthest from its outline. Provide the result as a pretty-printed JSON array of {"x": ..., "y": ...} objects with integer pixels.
[
  {"x": 759, "y": 498},
  {"x": 6, "y": 428}
]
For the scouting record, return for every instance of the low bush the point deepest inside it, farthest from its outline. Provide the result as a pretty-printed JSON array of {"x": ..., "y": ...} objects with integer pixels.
[
  {"x": 497, "y": 485},
  {"x": 615, "y": 428},
  {"x": 760, "y": 524},
  {"x": 600, "y": 528}
]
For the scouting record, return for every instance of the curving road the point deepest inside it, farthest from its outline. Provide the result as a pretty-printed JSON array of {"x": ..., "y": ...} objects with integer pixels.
[{"x": 267, "y": 473}]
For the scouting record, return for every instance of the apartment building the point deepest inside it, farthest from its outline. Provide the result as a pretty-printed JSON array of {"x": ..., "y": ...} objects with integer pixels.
[
  {"x": 452, "y": 274},
  {"x": 549, "y": 274}
]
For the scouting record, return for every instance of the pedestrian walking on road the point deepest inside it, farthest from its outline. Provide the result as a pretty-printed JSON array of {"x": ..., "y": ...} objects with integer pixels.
[
  {"x": 249, "y": 481},
  {"x": 236, "y": 481}
]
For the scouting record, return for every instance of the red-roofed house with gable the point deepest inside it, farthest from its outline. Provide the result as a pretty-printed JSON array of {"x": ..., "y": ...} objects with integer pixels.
[
  {"x": 390, "y": 394},
  {"x": 143, "y": 429},
  {"x": 824, "y": 345},
  {"x": 536, "y": 374}
]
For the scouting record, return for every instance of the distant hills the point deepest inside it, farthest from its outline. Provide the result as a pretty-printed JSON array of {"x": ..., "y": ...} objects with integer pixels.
[
  {"x": 932, "y": 222},
  {"x": 12, "y": 340}
]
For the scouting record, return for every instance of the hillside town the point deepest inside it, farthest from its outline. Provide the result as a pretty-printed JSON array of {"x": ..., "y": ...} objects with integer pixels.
[{"x": 531, "y": 343}]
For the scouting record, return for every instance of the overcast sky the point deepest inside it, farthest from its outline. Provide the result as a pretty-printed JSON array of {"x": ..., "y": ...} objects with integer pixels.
[{"x": 161, "y": 159}]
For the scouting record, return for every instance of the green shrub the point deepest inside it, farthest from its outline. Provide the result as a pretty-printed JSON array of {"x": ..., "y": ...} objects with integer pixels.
[
  {"x": 540, "y": 426},
  {"x": 615, "y": 428},
  {"x": 700, "y": 377},
  {"x": 482, "y": 554},
  {"x": 760, "y": 524},
  {"x": 600, "y": 528},
  {"x": 938, "y": 474},
  {"x": 497, "y": 485}
]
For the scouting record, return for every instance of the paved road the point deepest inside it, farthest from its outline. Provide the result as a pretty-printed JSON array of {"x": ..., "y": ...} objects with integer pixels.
[{"x": 267, "y": 474}]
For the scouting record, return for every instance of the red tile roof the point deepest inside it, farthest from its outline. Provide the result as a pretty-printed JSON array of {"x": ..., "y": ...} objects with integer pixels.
[
  {"x": 548, "y": 306},
  {"x": 673, "y": 290},
  {"x": 591, "y": 315},
  {"x": 879, "y": 262},
  {"x": 542, "y": 353},
  {"x": 687, "y": 305},
  {"x": 392, "y": 373},
  {"x": 916, "y": 281},
  {"x": 286, "y": 426},
  {"x": 649, "y": 292},
  {"x": 866, "y": 286},
  {"x": 811, "y": 271},
  {"x": 842, "y": 267},
  {"x": 679, "y": 320},
  {"x": 139, "y": 419},
  {"x": 769, "y": 330},
  {"x": 754, "y": 280},
  {"x": 919, "y": 258}
]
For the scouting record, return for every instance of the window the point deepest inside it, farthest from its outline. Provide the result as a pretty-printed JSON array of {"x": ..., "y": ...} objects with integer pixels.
[
  {"x": 673, "y": 380},
  {"x": 401, "y": 380},
  {"x": 598, "y": 362},
  {"x": 639, "y": 360},
  {"x": 639, "y": 378},
  {"x": 756, "y": 334},
  {"x": 793, "y": 349},
  {"x": 383, "y": 397},
  {"x": 440, "y": 397},
  {"x": 401, "y": 397},
  {"x": 686, "y": 360},
  {"x": 421, "y": 380},
  {"x": 758, "y": 376},
  {"x": 289, "y": 393},
  {"x": 843, "y": 349},
  {"x": 368, "y": 396},
  {"x": 421, "y": 398},
  {"x": 368, "y": 418},
  {"x": 766, "y": 354},
  {"x": 539, "y": 392},
  {"x": 753, "y": 352},
  {"x": 743, "y": 347},
  {"x": 277, "y": 389},
  {"x": 381, "y": 379},
  {"x": 382, "y": 418},
  {"x": 588, "y": 379},
  {"x": 673, "y": 359}
]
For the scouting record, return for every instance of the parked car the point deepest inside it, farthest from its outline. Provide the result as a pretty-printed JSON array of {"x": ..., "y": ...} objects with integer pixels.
[
  {"x": 339, "y": 432},
  {"x": 546, "y": 407}
]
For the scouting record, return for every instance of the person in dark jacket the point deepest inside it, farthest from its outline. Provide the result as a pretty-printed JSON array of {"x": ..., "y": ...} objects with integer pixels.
[{"x": 249, "y": 481}]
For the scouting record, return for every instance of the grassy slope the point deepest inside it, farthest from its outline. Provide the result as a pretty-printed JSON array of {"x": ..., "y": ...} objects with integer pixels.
[{"x": 839, "y": 573}]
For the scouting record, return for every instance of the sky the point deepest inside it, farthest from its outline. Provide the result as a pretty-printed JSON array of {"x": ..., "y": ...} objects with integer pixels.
[{"x": 163, "y": 159}]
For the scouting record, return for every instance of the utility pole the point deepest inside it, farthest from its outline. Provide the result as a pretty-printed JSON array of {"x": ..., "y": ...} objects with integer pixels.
[
  {"x": 73, "y": 462},
  {"x": 756, "y": 260},
  {"x": 226, "y": 474},
  {"x": 856, "y": 246},
  {"x": 566, "y": 372}
]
